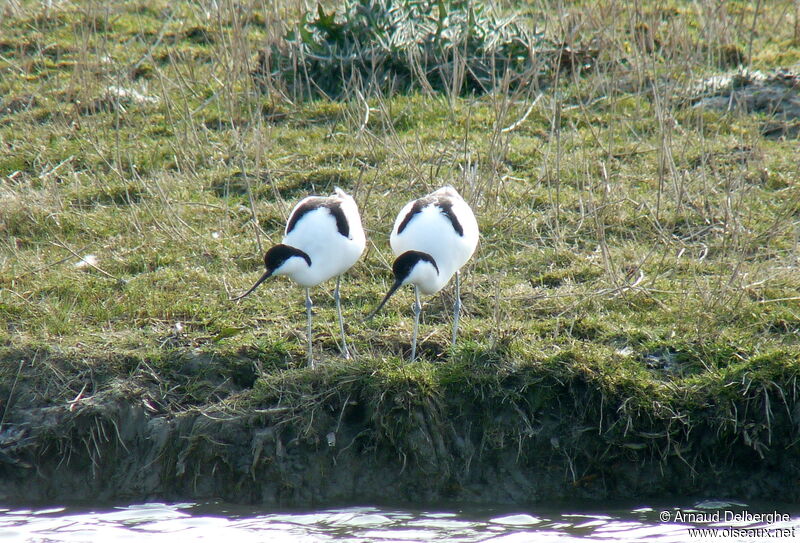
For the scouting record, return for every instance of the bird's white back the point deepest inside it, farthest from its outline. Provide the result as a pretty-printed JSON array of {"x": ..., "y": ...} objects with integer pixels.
[
  {"x": 316, "y": 233},
  {"x": 431, "y": 231}
]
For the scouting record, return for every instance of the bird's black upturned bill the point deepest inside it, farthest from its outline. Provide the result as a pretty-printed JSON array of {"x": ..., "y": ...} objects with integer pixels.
[
  {"x": 267, "y": 275},
  {"x": 395, "y": 286}
]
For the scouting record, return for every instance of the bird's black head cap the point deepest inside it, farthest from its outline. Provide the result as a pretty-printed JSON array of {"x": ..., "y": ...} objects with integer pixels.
[
  {"x": 401, "y": 268},
  {"x": 277, "y": 255},
  {"x": 404, "y": 263},
  {"x": 274, "y": 259}
]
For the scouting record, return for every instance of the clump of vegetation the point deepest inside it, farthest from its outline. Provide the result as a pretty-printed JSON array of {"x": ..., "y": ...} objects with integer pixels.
[{"x": 458, "y": 46}]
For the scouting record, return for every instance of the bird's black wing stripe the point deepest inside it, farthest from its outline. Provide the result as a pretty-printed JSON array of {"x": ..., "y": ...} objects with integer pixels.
[
  {"x": 341, "y": 221},
  {"x": 444, "y": 204},
  {"x": 416, "y": 208},
  {"x": 315, "y": 203},
  {"x": 447, "y": 208}
]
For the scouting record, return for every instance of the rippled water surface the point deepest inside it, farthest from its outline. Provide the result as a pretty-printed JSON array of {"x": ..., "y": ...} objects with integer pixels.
[{"x": 156, "y": 522}]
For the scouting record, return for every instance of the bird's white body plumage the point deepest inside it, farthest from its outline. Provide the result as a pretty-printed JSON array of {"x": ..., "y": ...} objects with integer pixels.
[
  {"x": 316, "y": 234},
  {"x": 431, "y": 231},
  {"x": 323, "y": 239}
]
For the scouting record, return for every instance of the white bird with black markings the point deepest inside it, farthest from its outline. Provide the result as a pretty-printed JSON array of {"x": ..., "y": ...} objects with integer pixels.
[
  {"x": 323, "y": 239},
  {"x": 432, "y": 238}
]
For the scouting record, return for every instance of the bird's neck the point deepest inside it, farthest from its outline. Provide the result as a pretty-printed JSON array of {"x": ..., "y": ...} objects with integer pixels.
[
  {"x": 299, "y": 271},
  {"x": 426, "y": 278}
]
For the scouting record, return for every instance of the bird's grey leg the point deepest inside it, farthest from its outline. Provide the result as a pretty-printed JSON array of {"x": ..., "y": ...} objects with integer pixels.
[
  {"x": 345, "y": 351},
  {"x": 456, "y": 308},
  {"x": 417, "y": 308},
  {"x": 309, "y": 305}
]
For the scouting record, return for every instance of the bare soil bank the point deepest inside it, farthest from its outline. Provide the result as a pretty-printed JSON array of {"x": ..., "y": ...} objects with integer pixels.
[{"x": 546, "y": 437}]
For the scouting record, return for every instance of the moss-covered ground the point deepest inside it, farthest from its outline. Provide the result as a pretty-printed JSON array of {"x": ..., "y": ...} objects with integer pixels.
[{"x": 637, "y": 273}]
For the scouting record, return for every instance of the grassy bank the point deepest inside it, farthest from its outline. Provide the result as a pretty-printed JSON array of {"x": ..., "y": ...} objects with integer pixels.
[{"x": 636, "y": 279}]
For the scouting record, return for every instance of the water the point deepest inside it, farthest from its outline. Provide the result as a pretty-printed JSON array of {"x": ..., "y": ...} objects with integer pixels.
[{"x": 214, "y": 522}]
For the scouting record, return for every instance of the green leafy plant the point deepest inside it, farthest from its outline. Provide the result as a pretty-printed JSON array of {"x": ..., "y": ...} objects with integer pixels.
[{"x": 400, "y": 45}]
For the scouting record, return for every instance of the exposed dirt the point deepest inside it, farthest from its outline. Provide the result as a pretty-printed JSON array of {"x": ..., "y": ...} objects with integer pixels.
[
  {"x": 113, "y": 445},
  {"x": 775, "y": 95}
]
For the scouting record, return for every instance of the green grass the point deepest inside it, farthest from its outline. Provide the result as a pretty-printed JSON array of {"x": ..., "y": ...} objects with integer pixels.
[{"x": 629, "y": 242}]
